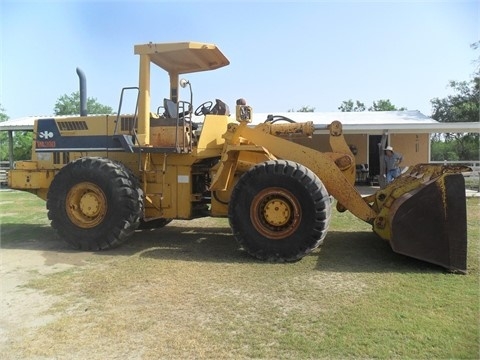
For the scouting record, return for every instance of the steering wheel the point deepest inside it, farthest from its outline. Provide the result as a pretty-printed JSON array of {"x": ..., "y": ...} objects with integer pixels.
[{"x": 204, "y": 108}]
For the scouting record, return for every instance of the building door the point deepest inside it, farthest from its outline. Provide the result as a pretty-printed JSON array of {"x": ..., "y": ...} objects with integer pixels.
[{"x": 374, "y": 155}]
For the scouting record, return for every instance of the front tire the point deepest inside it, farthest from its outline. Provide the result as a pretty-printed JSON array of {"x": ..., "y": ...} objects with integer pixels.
[
  {"x": 94, "y": 203},
  {"x": 279, "y": 211}
]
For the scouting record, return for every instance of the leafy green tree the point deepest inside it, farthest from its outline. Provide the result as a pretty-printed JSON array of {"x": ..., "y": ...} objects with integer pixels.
[
  {"x": 305, "y": 108},
  {"x": 350, "y": 106},
  {"x": 358, "y": 106},
  {"x": 3, "y": 115},
  {"x": 462, "y": 106},
  {"x": 384, "y": 105},
  {"x": 3, "y": 136},
  {"x": 22, "y": 142},
  {"x": 443, "y": 150},
  {"x": 70, "y": 105},
  {"x": 22, "y": 145}
]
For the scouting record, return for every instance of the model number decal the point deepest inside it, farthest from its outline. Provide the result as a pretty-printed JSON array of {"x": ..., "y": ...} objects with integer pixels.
[{"x": 46, "y": 144}]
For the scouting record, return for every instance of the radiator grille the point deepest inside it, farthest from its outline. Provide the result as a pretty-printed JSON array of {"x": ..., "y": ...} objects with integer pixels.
[
  {"x": 127, "y": 123},
  {"x": 61, "y": 158},
  {"x": 72, "y": 125}
]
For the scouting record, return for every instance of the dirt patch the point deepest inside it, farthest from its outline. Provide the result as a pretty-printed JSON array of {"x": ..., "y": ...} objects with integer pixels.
[{"x": 23, "y": 308}]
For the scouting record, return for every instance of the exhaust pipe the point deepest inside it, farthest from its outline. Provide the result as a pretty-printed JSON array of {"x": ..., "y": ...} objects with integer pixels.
[{"x": 83, "y": 92}]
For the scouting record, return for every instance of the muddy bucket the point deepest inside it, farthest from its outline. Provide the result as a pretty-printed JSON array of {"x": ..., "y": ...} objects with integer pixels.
[{"x": 429, "y": 223}]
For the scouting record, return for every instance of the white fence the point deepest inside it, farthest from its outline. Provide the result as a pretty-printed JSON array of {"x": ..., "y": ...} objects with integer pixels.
[
  {"x": 474, "y": 165},
  {"x": 472, "y": 178},
  {"x": 4, "y": 167}
]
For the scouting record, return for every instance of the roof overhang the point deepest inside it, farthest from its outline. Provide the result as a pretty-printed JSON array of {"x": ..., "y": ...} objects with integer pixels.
[
  {"x": 26, "y": 124},
  {"x": 20, "y": 124},
  {"x": 427, "y": 128},
  {"x": 16, "y": 128}
]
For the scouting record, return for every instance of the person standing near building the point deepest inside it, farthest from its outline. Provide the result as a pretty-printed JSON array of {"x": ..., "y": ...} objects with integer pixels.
[{"x": 392, "y": 162}]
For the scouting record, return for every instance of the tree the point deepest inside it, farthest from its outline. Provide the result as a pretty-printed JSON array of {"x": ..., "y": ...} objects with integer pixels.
[
  {"x": 22, "y": 145},
  {"x": 3, "y": 115},
  {"x": 350, "y": 106},
  {"x": 70, "y": 105},
  {"x": 3, "y": 136},
  {"x": 22, "y": 142},
  {"x": 379, "y": 105},
  {"x": 305, "y": 108},
  {"x": 462, "y": 106},
  {"x": 384, "y": 105}
]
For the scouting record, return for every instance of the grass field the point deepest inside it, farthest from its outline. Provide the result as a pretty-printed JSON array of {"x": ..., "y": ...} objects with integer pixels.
[{"x": 187, "y": 291}]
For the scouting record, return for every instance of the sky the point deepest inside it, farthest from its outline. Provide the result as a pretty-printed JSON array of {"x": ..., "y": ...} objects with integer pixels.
[{"x": 283, "y": 54}]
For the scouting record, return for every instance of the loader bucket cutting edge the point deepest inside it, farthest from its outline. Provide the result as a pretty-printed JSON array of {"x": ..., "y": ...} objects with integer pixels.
[{"x": 429, "y": 223}]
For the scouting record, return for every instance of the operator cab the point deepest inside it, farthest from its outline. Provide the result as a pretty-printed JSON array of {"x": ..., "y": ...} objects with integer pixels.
[{"x": 171, "y": 131}]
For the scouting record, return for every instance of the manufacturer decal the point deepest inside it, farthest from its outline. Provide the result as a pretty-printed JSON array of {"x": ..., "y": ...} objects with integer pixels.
[{"x": 45, "y": 135}]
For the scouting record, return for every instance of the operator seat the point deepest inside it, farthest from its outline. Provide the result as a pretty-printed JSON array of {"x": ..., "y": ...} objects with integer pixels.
[
  {"x": 171, "y": 112},
  {"x": 170, "y": 109}
]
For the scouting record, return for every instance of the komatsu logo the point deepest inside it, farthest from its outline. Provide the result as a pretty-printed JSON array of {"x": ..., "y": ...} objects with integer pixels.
[
  {"x": 43, "y": 141},
  {"x": 45, "y": 135}
]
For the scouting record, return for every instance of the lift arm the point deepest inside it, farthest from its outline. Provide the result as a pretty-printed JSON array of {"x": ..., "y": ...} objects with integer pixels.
[{"x": 335, "y": 169}]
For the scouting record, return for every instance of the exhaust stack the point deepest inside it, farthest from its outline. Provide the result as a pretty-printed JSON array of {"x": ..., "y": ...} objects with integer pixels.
[{"x": 83, "y": 92}]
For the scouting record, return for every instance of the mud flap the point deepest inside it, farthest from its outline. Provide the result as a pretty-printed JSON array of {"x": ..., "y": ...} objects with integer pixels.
[{"x": 429, "y": 223}]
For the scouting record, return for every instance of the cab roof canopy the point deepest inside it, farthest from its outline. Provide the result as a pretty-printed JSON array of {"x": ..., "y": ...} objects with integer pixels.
[{"x": 183, "y": 57}]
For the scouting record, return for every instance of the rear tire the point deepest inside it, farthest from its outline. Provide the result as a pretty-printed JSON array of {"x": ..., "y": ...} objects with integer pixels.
[
  {"x": 279, "y": 211},
  {"x": 94, "y": 203}
]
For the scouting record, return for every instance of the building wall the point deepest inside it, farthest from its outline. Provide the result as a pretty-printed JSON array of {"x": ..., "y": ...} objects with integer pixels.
[
  {"x": 413, "y": 147},
  {"x": 361, "y": 143}
]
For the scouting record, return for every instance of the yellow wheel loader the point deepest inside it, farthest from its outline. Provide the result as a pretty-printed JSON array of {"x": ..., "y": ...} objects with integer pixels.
[{"x": 103, "y": 176}]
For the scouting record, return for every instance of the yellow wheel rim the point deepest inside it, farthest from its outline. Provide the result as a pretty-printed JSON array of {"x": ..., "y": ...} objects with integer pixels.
[
  {"x": 86, "y": 205},
  {"x": 275, "y": 213}
]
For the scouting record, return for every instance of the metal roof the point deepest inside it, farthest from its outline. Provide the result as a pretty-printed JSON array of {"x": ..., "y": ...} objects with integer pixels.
[
  {"x": 357, "y": 118},
  {"x": 367, "y": 122},
  {"x": 375, "y": 122},
  {"x": 20, "y": 124}
]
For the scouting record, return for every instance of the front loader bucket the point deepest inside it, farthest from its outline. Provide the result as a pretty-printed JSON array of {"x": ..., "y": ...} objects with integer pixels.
[{"x": 427, "y": 220}]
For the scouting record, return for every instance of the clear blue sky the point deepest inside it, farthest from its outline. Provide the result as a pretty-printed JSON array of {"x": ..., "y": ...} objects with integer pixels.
[{"x": 283, "y": 54}]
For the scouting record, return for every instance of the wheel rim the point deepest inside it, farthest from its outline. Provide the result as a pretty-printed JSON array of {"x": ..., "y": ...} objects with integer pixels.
[
  {"x": 86, "y": 205},
  {"x": 275, "y": 213}
]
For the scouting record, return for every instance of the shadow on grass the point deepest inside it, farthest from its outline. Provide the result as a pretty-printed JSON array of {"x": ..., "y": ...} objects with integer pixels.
[
  {"x": 210, "y": 244},
  {"x": 341, "y": 251},
  {"x": 365, "y": 252},
  {"x": 30, "y": 236}
]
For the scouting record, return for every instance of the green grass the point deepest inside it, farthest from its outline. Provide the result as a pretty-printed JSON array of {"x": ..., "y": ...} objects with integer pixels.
[
  {"x": 472, "y": 183},
  {"x": 188, "y": 291}
]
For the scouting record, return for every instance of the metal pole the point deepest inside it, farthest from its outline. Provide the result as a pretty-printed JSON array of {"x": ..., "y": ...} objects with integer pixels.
[{"x": 10, "y": 148}]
